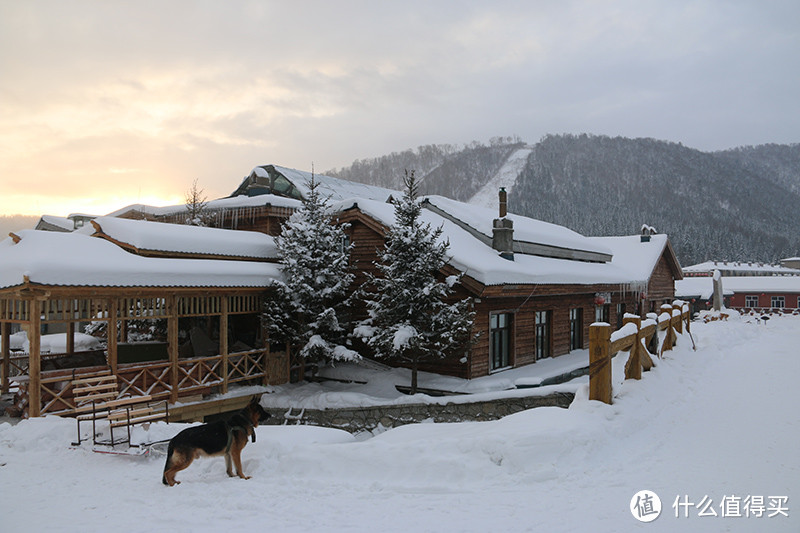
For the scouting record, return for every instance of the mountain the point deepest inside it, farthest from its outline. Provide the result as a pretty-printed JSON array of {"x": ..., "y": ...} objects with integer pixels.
[{"x": 740, "y": 204}]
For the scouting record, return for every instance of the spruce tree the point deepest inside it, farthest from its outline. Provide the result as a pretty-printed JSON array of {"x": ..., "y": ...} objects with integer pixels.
[
  {"x": 309, "y": 309},
  {"x": 410, "y": 319}
]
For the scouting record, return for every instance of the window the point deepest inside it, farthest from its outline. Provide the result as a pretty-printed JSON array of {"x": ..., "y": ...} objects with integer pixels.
[
  {"x": 620, "y": 315},
  {"x": 751, "y": 300},
  {"x": 499, "y": 340},
  {"x": 543, "y": 321},
  {"x": 798, "y": 302},
  {"x": 281, "y": 185},
  {"x": 778, "y": 301},
  {"x": 575, "y": 329},
  {"x": 601, "y": 313}
]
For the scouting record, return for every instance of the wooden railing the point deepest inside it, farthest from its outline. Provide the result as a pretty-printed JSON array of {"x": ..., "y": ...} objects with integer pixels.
[
  {"x": 200, "y": 375},
  {"x": 633, "y": 337}
]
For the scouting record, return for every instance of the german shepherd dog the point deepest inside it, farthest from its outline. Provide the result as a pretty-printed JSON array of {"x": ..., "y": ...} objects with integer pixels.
[{"x": 224, "y": 437}]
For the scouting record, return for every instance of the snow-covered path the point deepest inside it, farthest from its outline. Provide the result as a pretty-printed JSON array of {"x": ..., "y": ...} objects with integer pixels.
[{"x": 717, "y": 422}]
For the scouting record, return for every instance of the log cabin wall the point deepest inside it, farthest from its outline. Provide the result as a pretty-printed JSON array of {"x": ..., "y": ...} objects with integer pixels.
[
  {"x": 366, "y": 244},
  {"x": 661, "y": 287},
  {"x": 523, "y": 309}
]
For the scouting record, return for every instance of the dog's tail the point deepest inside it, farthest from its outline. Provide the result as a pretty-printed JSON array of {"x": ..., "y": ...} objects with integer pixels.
[{"x": 167, "y": 464}]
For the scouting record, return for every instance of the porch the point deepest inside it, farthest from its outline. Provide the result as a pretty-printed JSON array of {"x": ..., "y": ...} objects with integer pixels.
[{"x": 231, "y": 347}]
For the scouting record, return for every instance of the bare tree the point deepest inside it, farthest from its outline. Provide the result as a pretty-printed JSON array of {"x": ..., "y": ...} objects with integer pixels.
[{"x": 196, "y": 203}]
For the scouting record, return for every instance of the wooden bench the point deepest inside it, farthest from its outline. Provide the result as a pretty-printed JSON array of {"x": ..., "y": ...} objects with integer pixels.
[{"x": 96, "y": 398}]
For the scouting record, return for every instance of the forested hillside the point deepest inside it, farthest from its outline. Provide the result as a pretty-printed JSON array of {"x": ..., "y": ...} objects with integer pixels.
[{"x": 739, "y": 204}]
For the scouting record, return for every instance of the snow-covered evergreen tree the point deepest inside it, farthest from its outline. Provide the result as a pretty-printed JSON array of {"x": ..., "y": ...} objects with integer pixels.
[
  {"x": 409, "y": 318},
  {"x": 309, "y": 309}
]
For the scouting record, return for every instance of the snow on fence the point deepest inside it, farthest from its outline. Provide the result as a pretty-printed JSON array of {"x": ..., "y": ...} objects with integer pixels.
[{"x": 634, "y": 337}]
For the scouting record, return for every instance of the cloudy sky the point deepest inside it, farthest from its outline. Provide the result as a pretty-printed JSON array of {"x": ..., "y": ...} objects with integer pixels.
[{"x": 105, "y": 103}]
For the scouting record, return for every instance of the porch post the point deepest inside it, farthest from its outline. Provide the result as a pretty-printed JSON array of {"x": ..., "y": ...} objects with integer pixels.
[
  {"x": 267, "y": 352},
  {"x": 111, "y": 334},
  {"x": 172, "y": 346},
  {"x": 70, "y": 337},
  {"x": 600, "y": 363},
  {"x": 5, "y": 338},
  {"x": 223, "y": 341},
  {"x": 34, "y": 359}
]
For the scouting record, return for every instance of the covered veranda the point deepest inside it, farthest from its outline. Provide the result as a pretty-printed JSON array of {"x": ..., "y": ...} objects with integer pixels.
[
  {"x": 173, "y": 377},
  {"x": 64, "y": 282}
]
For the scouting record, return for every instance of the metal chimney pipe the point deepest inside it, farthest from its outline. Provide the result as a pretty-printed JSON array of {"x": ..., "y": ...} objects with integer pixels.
[{"x": 503, "y": 202}]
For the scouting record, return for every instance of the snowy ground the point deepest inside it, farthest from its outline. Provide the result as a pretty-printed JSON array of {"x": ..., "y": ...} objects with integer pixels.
[{"x": 717, "y": 424}]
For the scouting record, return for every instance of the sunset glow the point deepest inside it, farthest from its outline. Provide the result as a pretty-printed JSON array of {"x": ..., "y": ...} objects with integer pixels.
[{"x": 104, "y": 105}]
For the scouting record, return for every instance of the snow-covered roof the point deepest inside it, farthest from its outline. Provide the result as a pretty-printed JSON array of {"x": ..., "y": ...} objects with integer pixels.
[
  {"x": 637, "y": 257},
  {"x": 479, "y": 261},
  {"x": 50, "y": 222},
  {"x": 550, "y": 238},
  {"x": 742, "y": 268},
  {"x": 336, "y": 189},
  {"x": 181, "y": 239},
  {"x": 741, "y": 284},
  {"x": 75, "y": 259},
  {"x": 703, "y": 286},
  {"x": 220, "y": 203}
]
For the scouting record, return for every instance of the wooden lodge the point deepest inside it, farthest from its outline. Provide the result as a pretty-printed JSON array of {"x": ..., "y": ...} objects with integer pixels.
[
  {"x": 536, "y": 299},
  {"x": 535, "y": 287}
]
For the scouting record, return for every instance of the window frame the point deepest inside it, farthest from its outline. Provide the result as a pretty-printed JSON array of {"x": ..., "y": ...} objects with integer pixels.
[
  {"x": 575, "y": 328},
  {"x": 748, "y": 299},
  {"x": 781, "y": 299},
  {"x": 543, "y": 348},
  {"x": 501, "y": 337}
]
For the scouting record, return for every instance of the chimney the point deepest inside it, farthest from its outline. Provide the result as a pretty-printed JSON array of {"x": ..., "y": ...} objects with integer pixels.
[
  {"x": 503, "y": 230},
  {"x": 645, "y": 237}
]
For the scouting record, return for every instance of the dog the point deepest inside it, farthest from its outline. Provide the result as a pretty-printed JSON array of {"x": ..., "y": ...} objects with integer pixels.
[{"x": 224, "y": 437}]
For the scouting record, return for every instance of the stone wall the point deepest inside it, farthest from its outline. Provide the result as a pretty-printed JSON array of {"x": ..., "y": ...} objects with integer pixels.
[{"x": 369, "y": 419}]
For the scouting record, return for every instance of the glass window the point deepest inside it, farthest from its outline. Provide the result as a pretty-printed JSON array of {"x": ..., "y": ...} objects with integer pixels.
[
  {"x": 601, "y": 313},
  {"x": 751, "y": 300},
  {"x": 281, "y": 185},
  {"x": 543, "y": 327},
  {"x": 778, "y": 301},
  {"x": 575, "y": 329},
  {"x": 499, "y": 340}
]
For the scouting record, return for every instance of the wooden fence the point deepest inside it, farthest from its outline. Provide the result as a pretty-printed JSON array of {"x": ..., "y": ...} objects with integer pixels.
[
  {"x": 162, "y": 380},
  {"x": 634, "y": 337}
]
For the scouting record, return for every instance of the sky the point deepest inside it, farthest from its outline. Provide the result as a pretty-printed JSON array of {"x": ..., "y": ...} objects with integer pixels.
[{"x": 106, "y": 104}]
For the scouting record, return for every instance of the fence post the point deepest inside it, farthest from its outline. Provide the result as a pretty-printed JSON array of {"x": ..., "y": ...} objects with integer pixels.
[
  {"x": 669, "y": 333},
  {"x": 600, "y": 362},
  {"x": 633, "y": 368},
  {"x": 679, "y": 325},
  {"x": 688, "y": 319}
]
